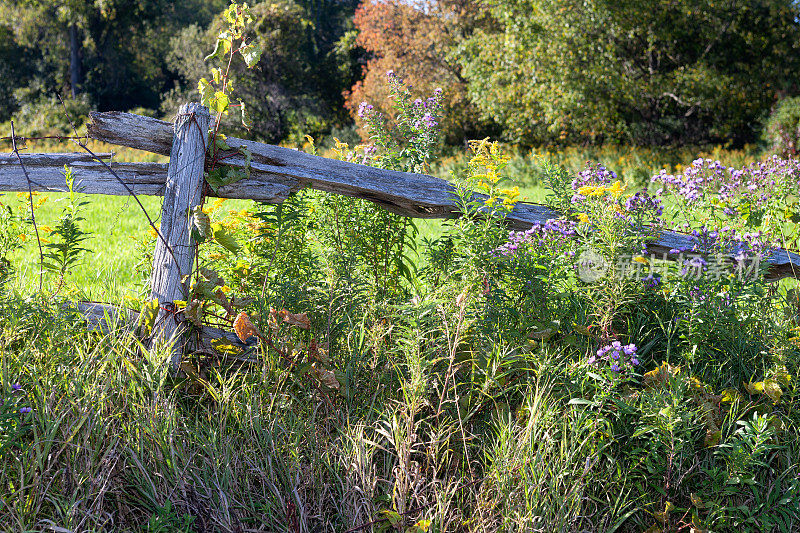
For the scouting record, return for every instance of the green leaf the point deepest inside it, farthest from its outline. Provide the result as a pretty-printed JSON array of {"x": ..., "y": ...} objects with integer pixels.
[
  {"x": 248, "y": 158},
  {"x": 202, "y": 222},
  {"x": 212, "y": 276},
  {"x": 205, "y": 89},
  {"x": 219, "y": 103},
  {"x": 222, "y": 47},
  {"x": 221, "y": 142},
  {"x": 194, "y": 312},
  {"x": 225, "y": 239},
  {"x": 247, "y": 120},
  {"x": 147, "y": 317},
  {"x": 222, "y": 176},
  {"x": 216, "y": 178},
  {"x": 251, "y": 54}
]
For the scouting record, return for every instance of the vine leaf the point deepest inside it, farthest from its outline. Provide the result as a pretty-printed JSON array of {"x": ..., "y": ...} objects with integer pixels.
[
  {"x": 251, "y": 54},
  {"x": 326, "y": 377},
  {"x": 225, "y": 347},
  {"x": 244, "y": 328},
  {"x": 219, "y": 103},
  {"x": 224, "y": 238},
  {"x": 222, "y": 176},
  {"x": 212, "y": 276},
  {"x": 247, "y": 120},
  {"x": 222, "y": 47},
  {"x": 205, "y": 90},
  {"x": 194, "y": 312},
  {"x": 201, "y": 222}
]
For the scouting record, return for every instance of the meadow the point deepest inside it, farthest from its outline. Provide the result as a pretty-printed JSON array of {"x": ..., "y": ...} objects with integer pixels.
[
  {"x": 443, "y": 376},
  {"x": 117, "y": 223}
]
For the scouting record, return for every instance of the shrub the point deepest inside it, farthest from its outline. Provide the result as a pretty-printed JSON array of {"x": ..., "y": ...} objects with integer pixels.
[{"x": 782, "y": 129}]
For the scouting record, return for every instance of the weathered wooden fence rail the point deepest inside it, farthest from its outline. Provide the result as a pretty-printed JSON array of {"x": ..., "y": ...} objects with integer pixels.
[{"x": 275, "y": 173}]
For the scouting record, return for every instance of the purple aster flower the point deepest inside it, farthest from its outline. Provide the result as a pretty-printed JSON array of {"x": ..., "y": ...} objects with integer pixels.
[{"x": 364, "y": 110}]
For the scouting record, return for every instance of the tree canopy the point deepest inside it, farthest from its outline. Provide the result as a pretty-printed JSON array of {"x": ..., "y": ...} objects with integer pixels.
[
  {"x": 648, "y": 72},
  {"x": 526, "y": 71}
]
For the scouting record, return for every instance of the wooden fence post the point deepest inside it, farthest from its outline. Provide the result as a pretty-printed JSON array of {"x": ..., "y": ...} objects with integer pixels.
[{"x": 172, "y": 261}]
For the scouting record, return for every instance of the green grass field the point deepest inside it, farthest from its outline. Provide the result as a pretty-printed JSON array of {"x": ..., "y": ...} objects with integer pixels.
[
  {"x": 466, "y": 398},
  {"x": 109, "y": 271}
]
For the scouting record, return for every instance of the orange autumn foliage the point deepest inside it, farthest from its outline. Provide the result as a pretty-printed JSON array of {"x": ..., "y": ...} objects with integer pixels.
[{"x": 419, "y": 46}]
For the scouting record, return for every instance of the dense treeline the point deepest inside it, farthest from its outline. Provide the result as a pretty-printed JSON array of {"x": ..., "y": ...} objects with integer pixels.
[{"x": 526, "y": 71}]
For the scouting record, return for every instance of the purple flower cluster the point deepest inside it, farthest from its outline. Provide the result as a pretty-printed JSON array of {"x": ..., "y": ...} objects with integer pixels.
[
  {"x": 641, "y": 201},
  {"x": 756, "y": 183},
  {"x": 753, "y": 186},
  {"x": 652, "y": 281},
  {"x": 594, "y": 174},
  {"x": 364, "y": 110},
  {"x": 551, "y": 232},
  {"x": 707, "y": 240},
  {"x": 16, "y": 387},
  {"x": 617, "y": 355},
  {"x": 427, "y": 121},
  {"x": 695, "y": 179}
]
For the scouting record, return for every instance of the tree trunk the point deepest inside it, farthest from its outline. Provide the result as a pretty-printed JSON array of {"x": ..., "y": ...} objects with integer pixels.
[{"x": 74, "y": 60}]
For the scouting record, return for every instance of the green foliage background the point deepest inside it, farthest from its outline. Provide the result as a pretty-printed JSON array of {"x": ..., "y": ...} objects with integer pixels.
[{"x": 528, "y": 71}]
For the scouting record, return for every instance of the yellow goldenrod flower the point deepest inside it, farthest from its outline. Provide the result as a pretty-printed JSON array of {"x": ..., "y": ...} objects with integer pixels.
[
  {"x": 583, "y": 217},
  {"x": 216, "y": 205},
  {"x": 616, "y": 189}
]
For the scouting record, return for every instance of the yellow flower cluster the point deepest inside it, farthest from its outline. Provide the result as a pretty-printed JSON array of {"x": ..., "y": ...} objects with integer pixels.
[
  {"x": 490, "y": 157},
  {"x": 616, "y": 189},
  {"x": 214, "y": 206},
  {"x": 796, "y": 339}
]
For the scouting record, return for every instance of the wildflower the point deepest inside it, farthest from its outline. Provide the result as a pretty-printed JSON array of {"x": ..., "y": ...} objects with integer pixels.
[
  {"x": 583, "y": 218},
  {"x": 25, "y": 410},
  {"x": 16, "y": 386},
  {"x": 364, "y": 109},
  {"x": 640, "y": 259},
  {"x": 614, "y": 353},
  {"x": 429, "y": 121},
  {"x": 616, "y": 189},
  {"x": 591, "y": 190}
]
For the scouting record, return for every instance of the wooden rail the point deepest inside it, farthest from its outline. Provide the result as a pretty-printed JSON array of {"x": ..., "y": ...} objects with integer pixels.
[{"x": 275, "y": 173}]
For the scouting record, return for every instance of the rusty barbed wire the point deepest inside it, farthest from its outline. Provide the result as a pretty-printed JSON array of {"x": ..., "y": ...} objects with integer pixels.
[
  {"x": 30, "y": 200},
  {"x": 25, "y": 138}
]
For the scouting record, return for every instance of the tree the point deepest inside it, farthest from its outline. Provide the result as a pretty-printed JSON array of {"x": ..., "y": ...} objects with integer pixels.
[
  {"x": 296, "y": 88},
  {"x": 420, "y": 45},
  {"x": 113, "y": 51},
  {"x": 632, "y": 70}
]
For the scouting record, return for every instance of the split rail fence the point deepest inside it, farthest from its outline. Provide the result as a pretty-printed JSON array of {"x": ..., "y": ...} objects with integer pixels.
[{"x": 275, "y": 173}]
